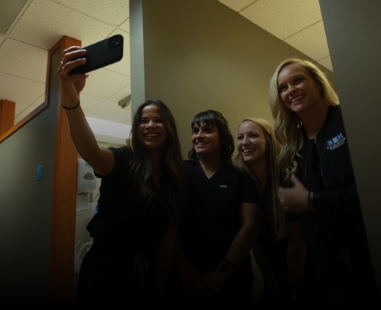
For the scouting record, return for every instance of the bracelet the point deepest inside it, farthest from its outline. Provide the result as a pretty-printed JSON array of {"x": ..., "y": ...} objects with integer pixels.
[
  {"x": 229, "y": 263},
  {"x": 309, "y": 201},
  {"x": 67, "y": 108}
]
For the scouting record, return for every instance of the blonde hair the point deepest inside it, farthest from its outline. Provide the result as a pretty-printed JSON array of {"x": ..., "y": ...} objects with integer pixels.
[
  {"x": 287, "y": 124},
  {"x": 279, "y": 219}
]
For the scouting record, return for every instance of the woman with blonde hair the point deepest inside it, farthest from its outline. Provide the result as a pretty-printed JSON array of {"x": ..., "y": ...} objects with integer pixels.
[
  {"x": 315, "y": 156},
  {"x": 278, "y": 249}
]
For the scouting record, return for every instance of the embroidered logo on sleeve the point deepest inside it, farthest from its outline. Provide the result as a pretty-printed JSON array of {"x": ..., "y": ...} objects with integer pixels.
[{"x": 335, "y": 142}]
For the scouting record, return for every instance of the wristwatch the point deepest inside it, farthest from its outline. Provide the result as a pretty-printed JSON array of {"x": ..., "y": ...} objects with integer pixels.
[
  {"x": 223, "y": 268},
  {"x": 317, "y": 202}
]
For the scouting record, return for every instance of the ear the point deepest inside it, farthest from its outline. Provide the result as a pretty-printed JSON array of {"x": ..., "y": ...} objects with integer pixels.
[{"x": 320, "y": 88}]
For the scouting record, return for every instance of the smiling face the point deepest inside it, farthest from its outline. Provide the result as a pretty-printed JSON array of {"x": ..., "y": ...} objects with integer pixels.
[
  {"x": 206, "y": 140},
  {"x": 252, "y": 144},
  {"x": 298, "y": 91},
  {"x": 151, "y": 130}
]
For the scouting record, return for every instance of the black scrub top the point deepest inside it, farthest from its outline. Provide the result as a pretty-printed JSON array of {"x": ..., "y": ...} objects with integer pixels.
[{"x": 213, "y": 216}]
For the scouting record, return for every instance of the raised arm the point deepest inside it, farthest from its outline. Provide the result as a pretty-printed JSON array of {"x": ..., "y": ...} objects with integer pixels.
[{"x": 99, "y": 158}]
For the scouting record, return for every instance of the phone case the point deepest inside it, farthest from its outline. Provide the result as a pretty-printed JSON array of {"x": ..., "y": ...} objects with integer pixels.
[{"x": 101, "y": 54}]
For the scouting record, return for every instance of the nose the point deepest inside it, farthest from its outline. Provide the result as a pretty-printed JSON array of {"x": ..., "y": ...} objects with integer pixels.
[
  {"x": 291, "y": 89},
  {"x": 244, "y": 141},
  {"x": 151, "y": 123},
  {"x": 199, "y": 134}
]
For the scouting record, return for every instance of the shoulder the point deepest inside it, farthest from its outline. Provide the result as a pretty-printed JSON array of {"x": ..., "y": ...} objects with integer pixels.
[
  {"x": 243, "y": 176},
  {"x": 123, "y": 151},
  {"x": 191, "y": 164},
  {"x": 123, "y": 156},
  {"x": 334, "y": 113},
  {"x": 243, "y": 181}
]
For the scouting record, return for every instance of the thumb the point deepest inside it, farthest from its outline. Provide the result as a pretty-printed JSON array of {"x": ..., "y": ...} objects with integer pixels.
[{"x": 295, "y": 179}]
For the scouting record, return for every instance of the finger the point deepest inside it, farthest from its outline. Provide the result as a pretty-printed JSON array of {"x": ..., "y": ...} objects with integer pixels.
[
  {"x": 65, "y": 68},
  {"x": 71, "y": 48},
  {"x": 73, "y": 55},
  {"x": 71, "y": 65}
]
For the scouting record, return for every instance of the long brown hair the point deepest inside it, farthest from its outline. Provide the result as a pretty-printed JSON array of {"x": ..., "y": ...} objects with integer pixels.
[{"x": 173, "y": 175}]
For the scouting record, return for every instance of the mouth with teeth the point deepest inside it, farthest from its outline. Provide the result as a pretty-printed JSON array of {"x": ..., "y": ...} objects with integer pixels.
[
  {"x": 200, "y": 144},
  {"x": 296, "y": 99},
  {"x": 247, "y": 150},
  {"x": 151, "y": 135}
]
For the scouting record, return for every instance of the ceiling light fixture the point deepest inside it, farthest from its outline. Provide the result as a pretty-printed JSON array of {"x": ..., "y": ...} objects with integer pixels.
[{"x": 125, "y": 102}]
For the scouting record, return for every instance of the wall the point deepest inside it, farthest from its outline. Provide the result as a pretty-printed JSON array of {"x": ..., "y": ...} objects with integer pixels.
[
  {"x": 194, "y": 62},
  {"x": 26, "y": 207},
  {"x": 354, "y": 39}
]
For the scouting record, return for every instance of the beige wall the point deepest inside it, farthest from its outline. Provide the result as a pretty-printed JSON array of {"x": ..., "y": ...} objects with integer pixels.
[{"x": 199, "y": 54}]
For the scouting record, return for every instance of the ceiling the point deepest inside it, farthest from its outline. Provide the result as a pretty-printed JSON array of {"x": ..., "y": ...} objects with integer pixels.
[{"x": 29, "y": 28}]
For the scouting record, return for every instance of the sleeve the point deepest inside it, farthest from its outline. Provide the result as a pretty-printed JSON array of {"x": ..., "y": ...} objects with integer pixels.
[
  {"x": 122, "y": 157},
  {"x": 341, "y": 192},
  {"x": 249, "y": 192},
  {"x": 345, "y": 197}
]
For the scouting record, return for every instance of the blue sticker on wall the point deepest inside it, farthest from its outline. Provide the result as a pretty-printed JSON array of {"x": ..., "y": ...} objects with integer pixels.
[{"x": 39, "y": 173}]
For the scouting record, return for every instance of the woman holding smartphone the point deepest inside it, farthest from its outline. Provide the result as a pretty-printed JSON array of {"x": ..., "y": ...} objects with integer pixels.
[
  {"x": 278, "y": 249},
  {"x": 220, "y": 225},
  {"x": 141, "y": 200}
]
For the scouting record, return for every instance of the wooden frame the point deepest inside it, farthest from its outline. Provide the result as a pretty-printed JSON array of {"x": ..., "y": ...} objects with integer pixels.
[{"x": 61, "y": 275}]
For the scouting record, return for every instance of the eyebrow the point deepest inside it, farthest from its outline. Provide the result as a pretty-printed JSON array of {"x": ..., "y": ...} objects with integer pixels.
[{"x": 156, "y": 117}]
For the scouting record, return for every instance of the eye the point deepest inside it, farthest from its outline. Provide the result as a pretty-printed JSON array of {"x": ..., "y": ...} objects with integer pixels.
[
  {"x": 195, "y": 131},
  {"x": 254, "y": 135},
  {"x": 143, "y": 120},
  {"x": 282, "y": 88},
  {"x": 240, "y": 137}
]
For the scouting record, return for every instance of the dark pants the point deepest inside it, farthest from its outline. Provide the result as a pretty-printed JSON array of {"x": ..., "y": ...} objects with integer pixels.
[{"x": 106, "y": 281}]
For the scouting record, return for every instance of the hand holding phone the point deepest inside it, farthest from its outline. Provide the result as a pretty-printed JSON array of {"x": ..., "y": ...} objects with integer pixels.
[{"x": 101, "y": 54}]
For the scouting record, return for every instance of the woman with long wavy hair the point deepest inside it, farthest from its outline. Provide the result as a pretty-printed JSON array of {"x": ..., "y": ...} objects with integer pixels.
[
  {"x": 141, "y": 201},
  {"x": 314, "y": 155},
  {"x": 279, "y": 250}
]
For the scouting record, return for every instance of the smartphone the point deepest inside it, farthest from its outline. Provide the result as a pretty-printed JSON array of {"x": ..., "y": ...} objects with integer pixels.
[{"x": 101, "y": 54}]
